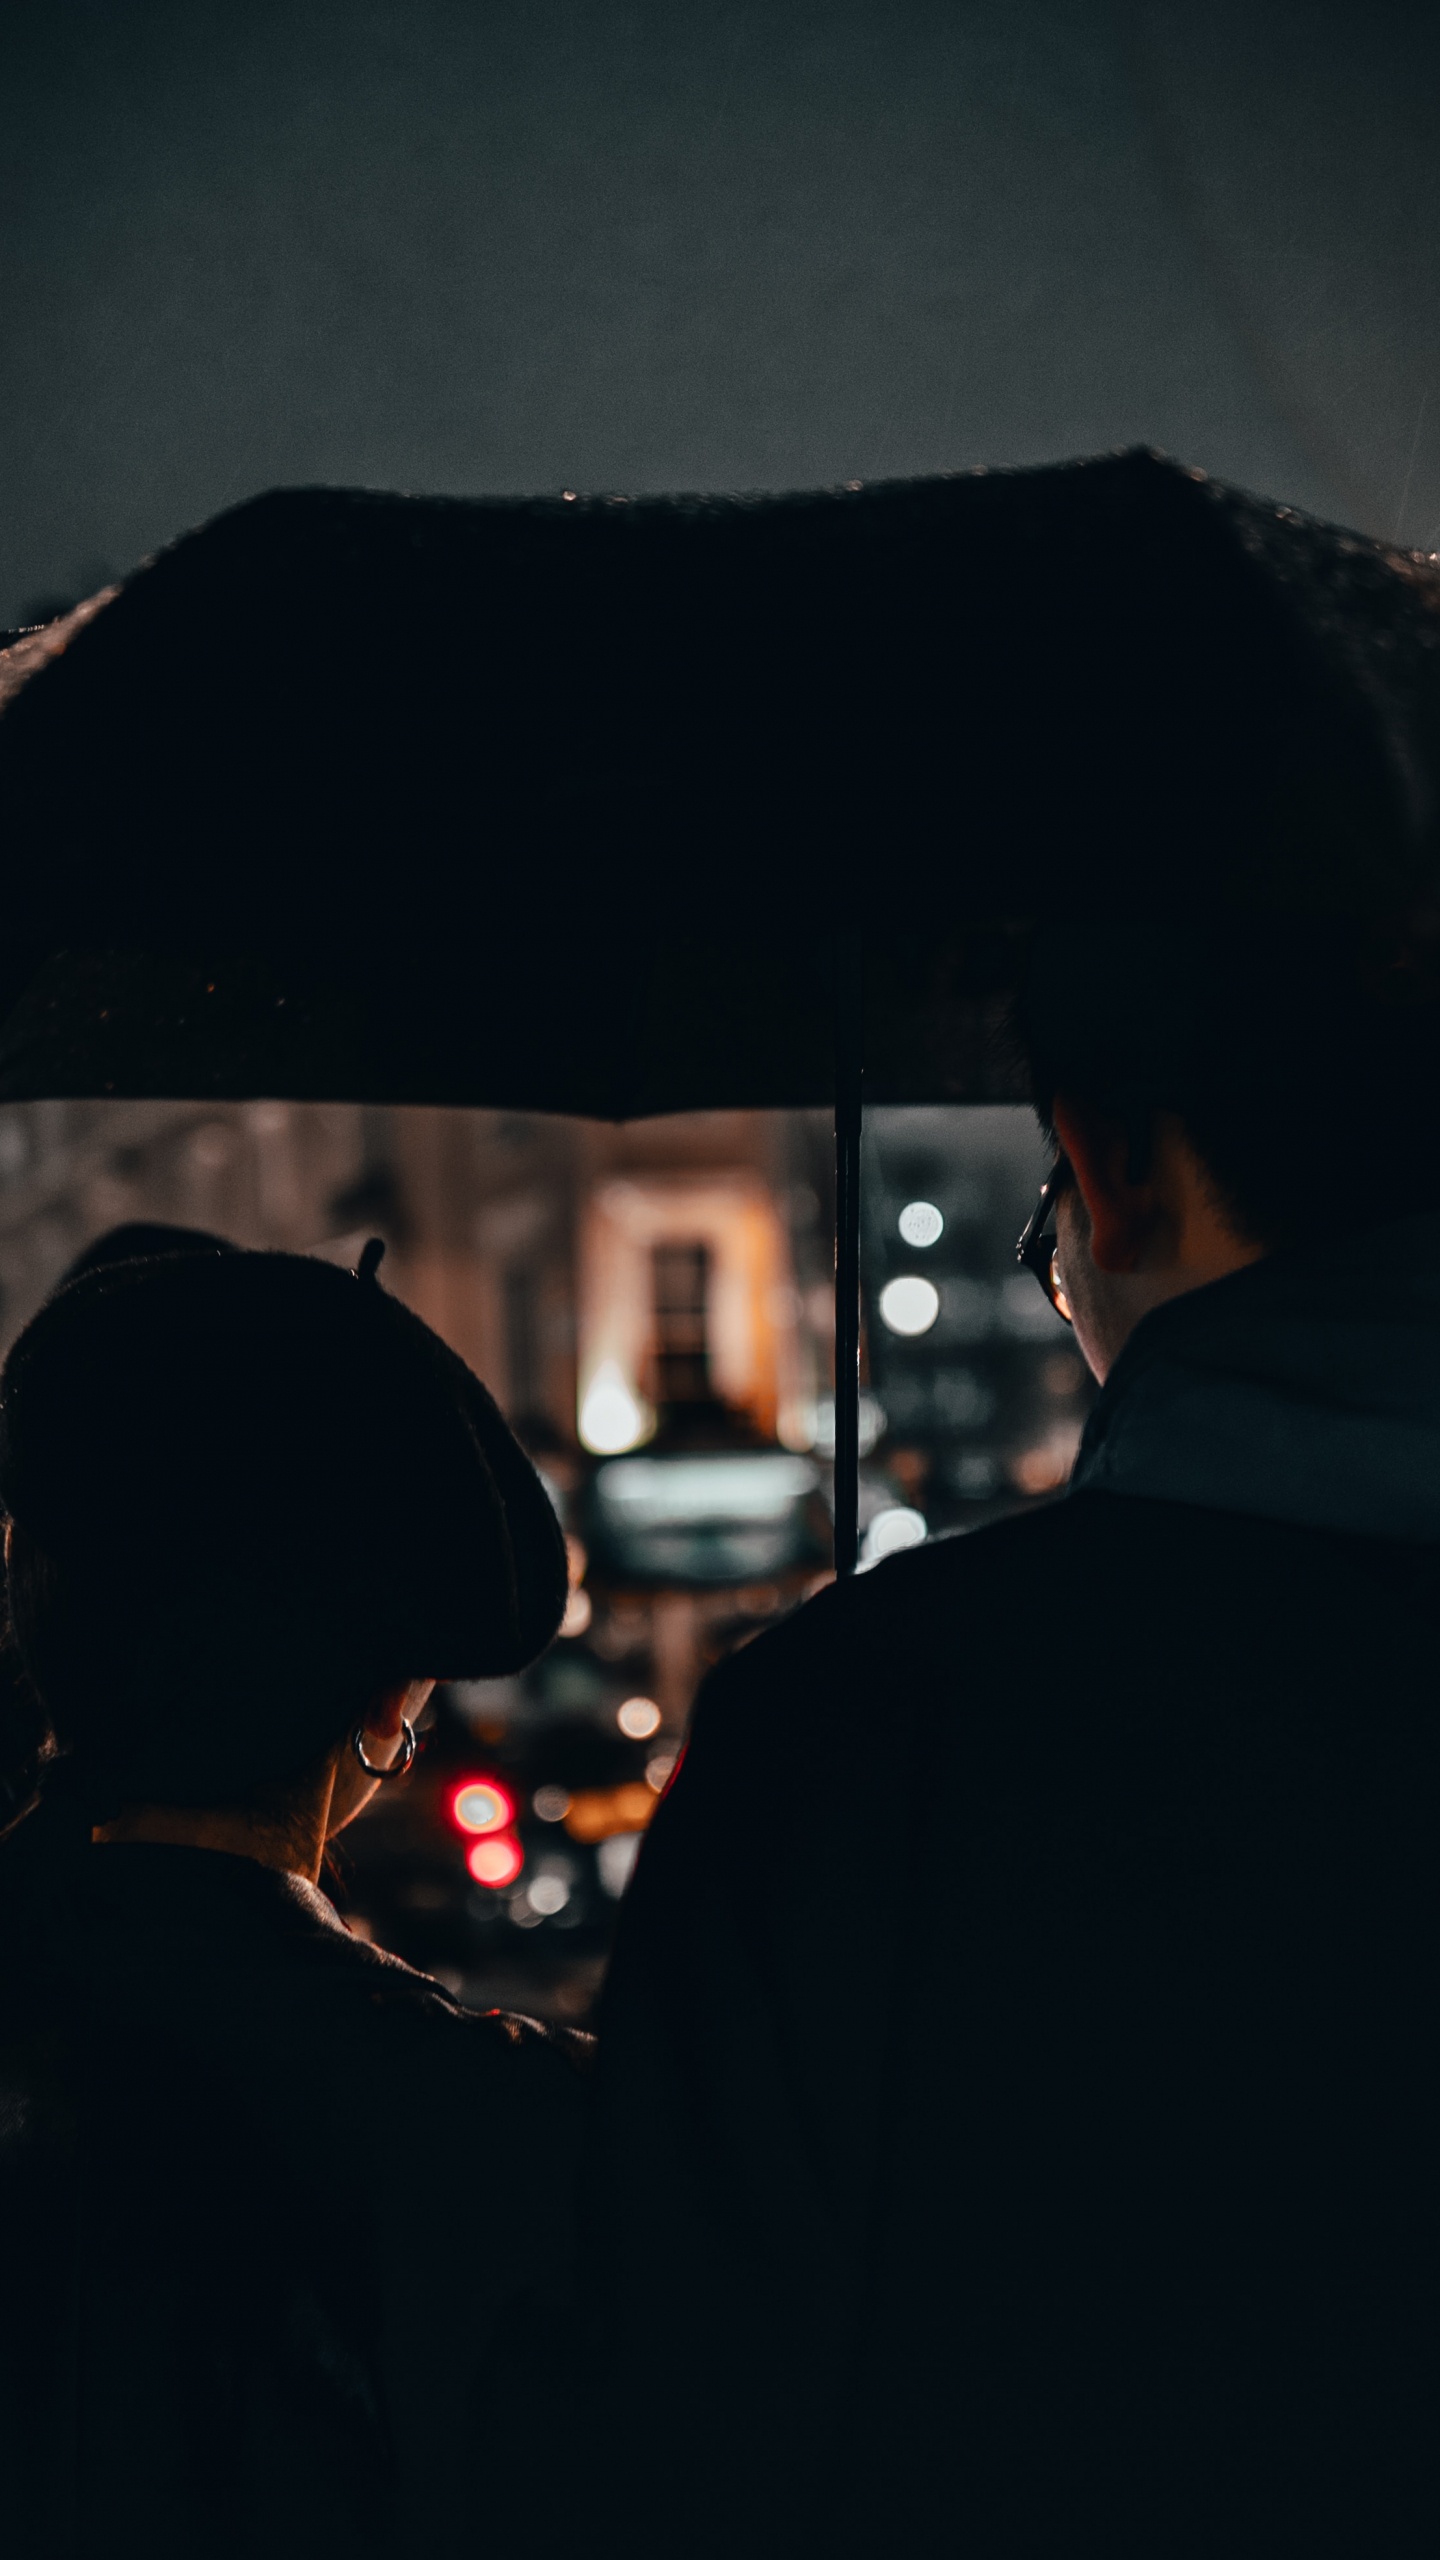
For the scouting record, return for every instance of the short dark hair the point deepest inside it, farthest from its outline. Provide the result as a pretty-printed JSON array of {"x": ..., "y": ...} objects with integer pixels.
[{"x": 1301, "y": 1058}]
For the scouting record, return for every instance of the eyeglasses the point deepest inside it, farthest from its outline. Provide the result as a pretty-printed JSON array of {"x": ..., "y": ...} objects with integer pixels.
[{"x": 1036, "y": 1249}]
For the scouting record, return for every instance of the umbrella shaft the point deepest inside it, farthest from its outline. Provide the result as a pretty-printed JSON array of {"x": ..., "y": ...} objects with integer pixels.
[{"x": 849, "y": 1061}]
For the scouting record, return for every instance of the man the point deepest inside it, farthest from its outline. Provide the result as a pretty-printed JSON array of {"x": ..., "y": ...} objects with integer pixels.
[{"x": 1019, "y": 2059}]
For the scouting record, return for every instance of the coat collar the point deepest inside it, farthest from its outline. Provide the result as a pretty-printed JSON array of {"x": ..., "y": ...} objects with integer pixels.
[{"x": 1305, "y": 1388}]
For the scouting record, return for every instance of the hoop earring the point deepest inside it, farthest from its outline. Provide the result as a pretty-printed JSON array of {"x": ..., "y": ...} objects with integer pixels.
[{"x": 398, "y": 1767}]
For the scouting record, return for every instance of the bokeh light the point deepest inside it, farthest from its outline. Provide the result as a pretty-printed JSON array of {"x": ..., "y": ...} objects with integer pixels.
[
  {"x": 638, "y": 1718},
  {"x": 578, "y": 1613},
  {"x": 615, "y": 1859},
  {"x": 479, "y": 1805},
  {"x": 921, "y": 1222},
  {"x": 597, "y": 1812},
  {"x": 612, "y": 1417},
  {"x": 1046, "y": 1466},
  {"x": 549, "y": 1893},
  {"x": 909, "y": 1305},
  {"x": 871, "y": 1419},
  {"x": 497, "y": 1861},
  {"x": 891, "y": 1531}
]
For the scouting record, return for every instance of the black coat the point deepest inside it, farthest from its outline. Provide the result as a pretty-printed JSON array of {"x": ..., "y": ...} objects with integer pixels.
[
  {"x": 1024, "y": 2019},
  {"x": 281, "y": 2225}
]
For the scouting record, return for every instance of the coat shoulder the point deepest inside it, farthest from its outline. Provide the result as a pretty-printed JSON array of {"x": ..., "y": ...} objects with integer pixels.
[
  {"x": 1087, "y": 1555},
  {"x": 384, "y": 1994},
  {"x": 983, "y": 1575},
  {"x": 1095, "y": 1597},
  {"x": 1074, "y": 1544}
]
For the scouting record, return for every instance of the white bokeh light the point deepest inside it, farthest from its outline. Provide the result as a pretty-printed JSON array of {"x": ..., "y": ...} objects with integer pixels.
[
  {"x": 615, "y": 1858},
  {"x": 921, "y": 1222},
  {"x": 612, "y": 1417},
  {"x": 891, "y": 1531},
  {"x": 909, "y": 1305}
]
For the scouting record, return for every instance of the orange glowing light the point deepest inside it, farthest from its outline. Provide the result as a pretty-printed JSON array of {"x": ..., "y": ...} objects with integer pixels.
[
  {"x": 479, "y": 1805},
  {"x": 497, "y": 1861},
  {"x": 599, "y": 1813}
]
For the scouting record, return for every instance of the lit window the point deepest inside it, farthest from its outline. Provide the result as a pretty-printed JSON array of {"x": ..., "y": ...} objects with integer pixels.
[{"x": 732, "y": 1485}]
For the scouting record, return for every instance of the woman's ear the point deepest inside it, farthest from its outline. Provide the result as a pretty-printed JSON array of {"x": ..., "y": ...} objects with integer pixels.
[
  {"x": 386, "y": 1711},
  {"x": 1122, "y": 1213}
]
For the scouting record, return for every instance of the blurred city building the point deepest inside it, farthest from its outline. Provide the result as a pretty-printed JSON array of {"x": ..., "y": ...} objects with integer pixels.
[{"x": 652, "y": 1305}]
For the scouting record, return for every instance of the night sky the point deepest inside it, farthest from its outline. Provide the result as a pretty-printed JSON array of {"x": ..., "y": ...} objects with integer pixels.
[{"x": 499, "y": 245}]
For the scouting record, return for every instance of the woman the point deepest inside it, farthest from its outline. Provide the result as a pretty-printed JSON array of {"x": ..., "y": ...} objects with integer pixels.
[{"x": 256, "y": 1509}]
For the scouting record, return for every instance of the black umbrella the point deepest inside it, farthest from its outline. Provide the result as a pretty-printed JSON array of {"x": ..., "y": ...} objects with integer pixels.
[{"x": 617, "y": 806}]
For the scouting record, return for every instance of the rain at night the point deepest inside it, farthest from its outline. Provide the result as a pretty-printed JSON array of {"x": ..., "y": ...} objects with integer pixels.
[{"x": 719, "y": 1002}]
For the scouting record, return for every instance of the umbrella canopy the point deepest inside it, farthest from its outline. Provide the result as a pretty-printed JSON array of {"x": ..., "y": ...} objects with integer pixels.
[{"x": 568, "y": 804}]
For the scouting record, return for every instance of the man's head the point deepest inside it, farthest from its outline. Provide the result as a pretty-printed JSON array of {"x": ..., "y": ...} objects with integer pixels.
[
  {"x": 1126, "y": 1238},
  {"x": 1219, "y": 1089}
]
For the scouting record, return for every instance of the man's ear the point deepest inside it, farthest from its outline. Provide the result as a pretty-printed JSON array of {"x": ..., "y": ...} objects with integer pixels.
[{"x": 1121, "y": 1212}]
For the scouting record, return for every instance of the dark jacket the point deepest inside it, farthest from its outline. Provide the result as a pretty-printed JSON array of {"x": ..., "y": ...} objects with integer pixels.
[
  {"x": 1024, "y": 2020},
  {"x": 280, "y": 2226}
]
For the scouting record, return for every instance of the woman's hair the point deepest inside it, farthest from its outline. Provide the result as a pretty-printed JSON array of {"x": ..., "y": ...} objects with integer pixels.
[
  {"x": 27, "y": 1739},
  {"x": 69, "y": 1690}
]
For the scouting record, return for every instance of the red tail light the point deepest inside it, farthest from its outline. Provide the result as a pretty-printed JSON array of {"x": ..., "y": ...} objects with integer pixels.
[
  {"x": 496, "y": 1861},
  {"x": 481, "y": 1805}
]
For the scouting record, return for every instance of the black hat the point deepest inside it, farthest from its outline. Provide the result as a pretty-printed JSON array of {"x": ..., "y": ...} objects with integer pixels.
[
  {"x": 139, "y": 1239},
  {"x": 266, "y": 1487}
]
